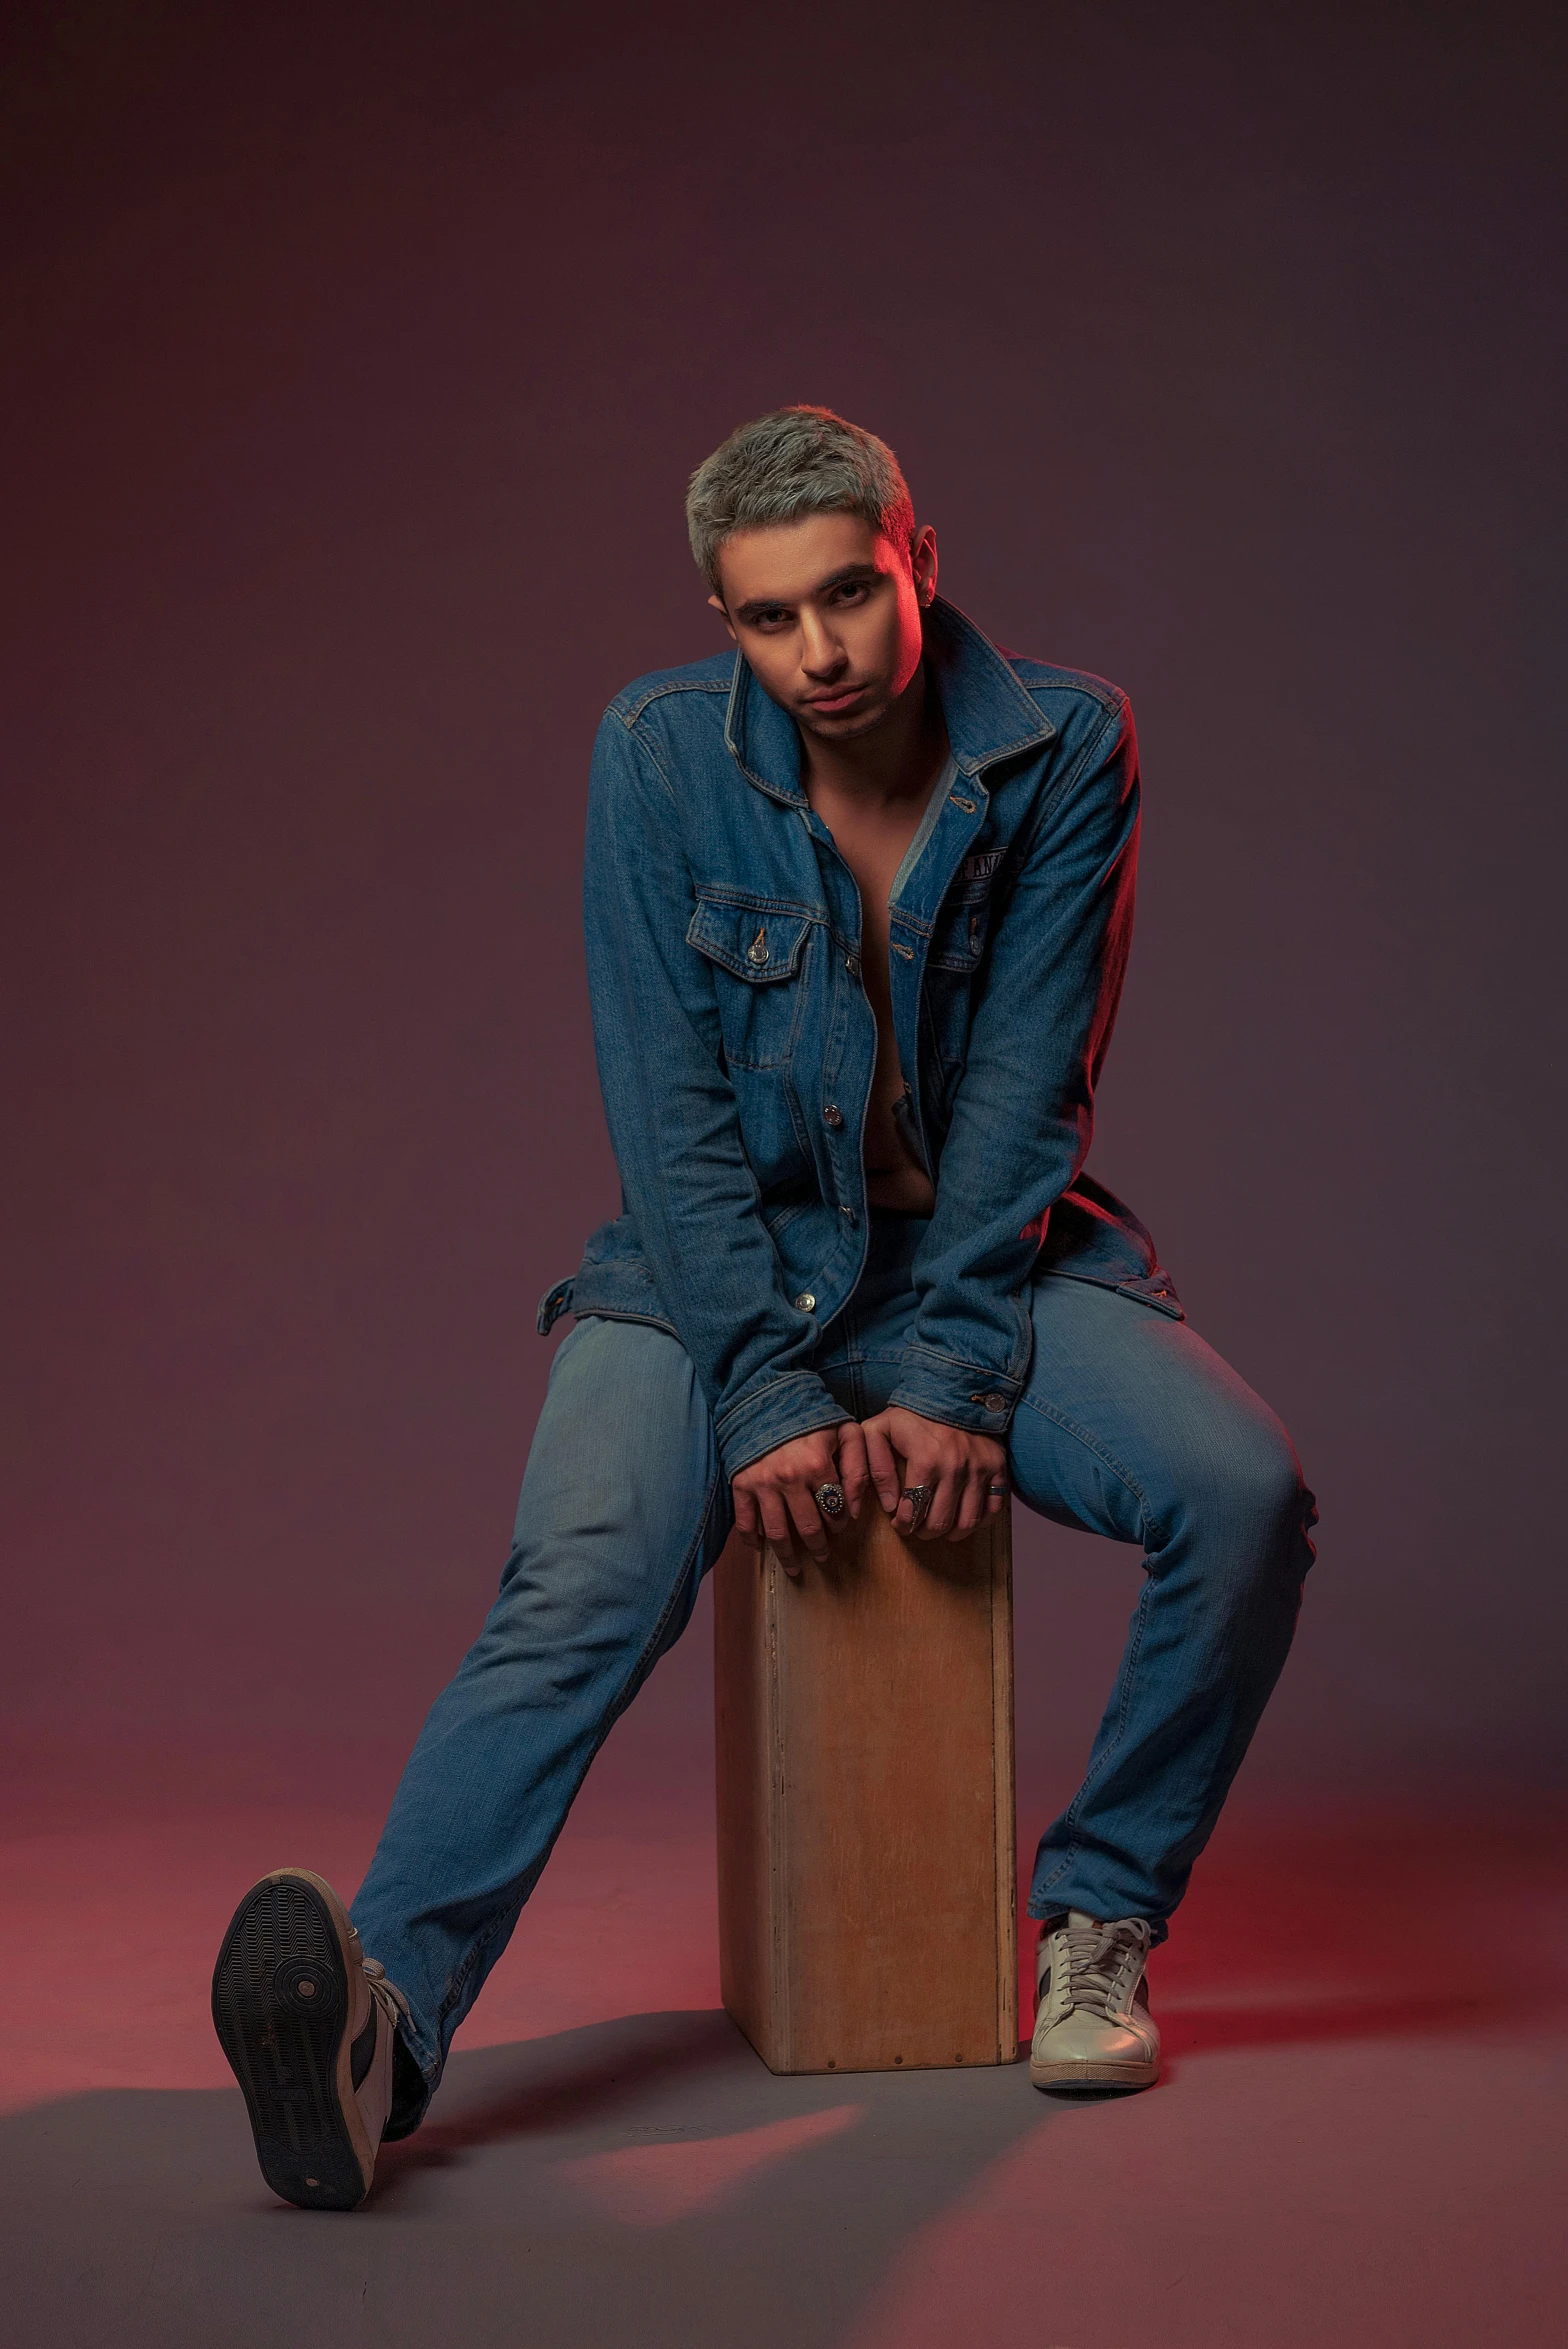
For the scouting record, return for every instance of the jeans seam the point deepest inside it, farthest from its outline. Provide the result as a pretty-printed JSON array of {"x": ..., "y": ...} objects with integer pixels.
[
  {"x": 1098, "y": 1767},
  {"x": 1152, "y": 1536},
  {"x": 508, "y": 1918},
  {"x": 414, "y": 2040}
]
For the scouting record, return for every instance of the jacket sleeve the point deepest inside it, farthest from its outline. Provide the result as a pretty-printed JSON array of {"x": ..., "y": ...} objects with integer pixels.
[
  {"x": 1024, "y": 1109},
  {"x": 673, "y": 1120}
]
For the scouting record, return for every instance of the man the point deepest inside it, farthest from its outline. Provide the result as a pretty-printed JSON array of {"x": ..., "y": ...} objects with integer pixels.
[{"x": 858, "y": 898}]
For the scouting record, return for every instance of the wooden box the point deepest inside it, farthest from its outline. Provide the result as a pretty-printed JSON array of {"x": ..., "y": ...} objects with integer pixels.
[{"x": 867, "y": 1907}]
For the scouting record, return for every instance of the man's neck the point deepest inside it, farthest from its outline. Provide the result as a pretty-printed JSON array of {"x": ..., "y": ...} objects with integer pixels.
[{"x": 897, "y": 760}]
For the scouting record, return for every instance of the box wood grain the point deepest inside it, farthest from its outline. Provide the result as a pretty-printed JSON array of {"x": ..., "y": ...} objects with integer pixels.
[{"x": 867, "y": 1903}]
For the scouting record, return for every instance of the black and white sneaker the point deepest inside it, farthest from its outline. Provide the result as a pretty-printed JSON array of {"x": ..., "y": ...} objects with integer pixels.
[{"x": 308, "y": 2024}]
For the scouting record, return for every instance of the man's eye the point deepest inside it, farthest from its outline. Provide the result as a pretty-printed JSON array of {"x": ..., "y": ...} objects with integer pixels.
[{"x": 853, "y": 591}]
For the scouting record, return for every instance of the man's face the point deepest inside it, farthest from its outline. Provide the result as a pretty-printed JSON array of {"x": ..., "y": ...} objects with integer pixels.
[{"x": 827, "y": 612}]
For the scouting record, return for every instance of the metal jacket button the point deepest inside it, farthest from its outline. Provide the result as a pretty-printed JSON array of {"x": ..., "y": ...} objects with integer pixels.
[
  {"x": 833, "y": 1116},
  {"x": 805, "y": 1302},
  {"x": 996, "y": 1402}
]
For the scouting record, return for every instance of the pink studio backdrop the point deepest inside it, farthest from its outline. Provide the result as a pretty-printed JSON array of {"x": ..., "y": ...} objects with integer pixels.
[{"x": 357, "y": 361}]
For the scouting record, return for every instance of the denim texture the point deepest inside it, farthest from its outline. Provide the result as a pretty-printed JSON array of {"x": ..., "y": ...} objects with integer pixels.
[
  {"x": 1127, "y": 1425},
  {"x": 736, "y": 1044}
]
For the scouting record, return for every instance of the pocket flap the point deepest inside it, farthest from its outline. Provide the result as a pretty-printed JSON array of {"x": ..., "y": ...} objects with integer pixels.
[{"x": 758, "y": 943}]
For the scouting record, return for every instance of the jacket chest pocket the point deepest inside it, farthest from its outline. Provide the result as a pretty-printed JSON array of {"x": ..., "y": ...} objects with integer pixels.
[
  {"x": 758, "y": 954},
  {"x": 952, "y": 961},
  {"x": 958, "y": 940}
]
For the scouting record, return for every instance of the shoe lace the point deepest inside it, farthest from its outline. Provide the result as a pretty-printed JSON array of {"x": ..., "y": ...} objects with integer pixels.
[
  {"x": 391, "y": 1999},
  {"x": 1097, "y": 1959}
]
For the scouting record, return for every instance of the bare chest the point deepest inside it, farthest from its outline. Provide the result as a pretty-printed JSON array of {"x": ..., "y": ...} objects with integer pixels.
[{"x": 873, "y": 845}]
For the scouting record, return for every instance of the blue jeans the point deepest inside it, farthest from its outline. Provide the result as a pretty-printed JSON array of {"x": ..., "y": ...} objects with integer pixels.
[{"x": 1130, "y": 1426}]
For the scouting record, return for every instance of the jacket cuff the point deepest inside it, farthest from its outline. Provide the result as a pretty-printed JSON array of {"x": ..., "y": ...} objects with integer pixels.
[
  {"x": 771, "y": 1415},
  {"x": 957, "y": 1393}
]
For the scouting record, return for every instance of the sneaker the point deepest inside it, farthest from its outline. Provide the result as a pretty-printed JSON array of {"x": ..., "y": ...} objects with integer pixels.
[
  {"x": 1092, "y": 2027},
  {"x": 308, "y": 2024}
]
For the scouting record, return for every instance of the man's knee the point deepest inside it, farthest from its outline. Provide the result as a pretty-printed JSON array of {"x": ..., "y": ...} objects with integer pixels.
[
  {"x": 1242, "y": 1495},
  {"x": 1268, "y": 1492}
]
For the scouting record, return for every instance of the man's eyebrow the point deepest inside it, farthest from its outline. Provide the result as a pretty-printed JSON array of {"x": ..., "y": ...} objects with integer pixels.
[{"x": 842, "y": 577}]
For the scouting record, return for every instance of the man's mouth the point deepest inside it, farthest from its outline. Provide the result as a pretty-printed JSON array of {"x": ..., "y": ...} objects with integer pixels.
[{"x": 829, "y": 702}]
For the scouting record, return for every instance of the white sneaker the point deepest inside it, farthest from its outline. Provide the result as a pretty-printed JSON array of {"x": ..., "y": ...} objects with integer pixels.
[
  {"x": 308, "y": 2023},
  {"x": 1092, "y": 2026}
]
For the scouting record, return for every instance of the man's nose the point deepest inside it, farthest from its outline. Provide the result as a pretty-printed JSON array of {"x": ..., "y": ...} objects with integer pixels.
[{"x": 820, "y": 651}]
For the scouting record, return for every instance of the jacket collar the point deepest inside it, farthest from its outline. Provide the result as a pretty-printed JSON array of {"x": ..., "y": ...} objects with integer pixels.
[{"x": 989, "y": 714}]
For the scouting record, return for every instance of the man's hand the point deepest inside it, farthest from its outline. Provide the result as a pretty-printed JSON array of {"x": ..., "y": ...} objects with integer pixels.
[
  {"x": 775, "y": 1498},
  {"x": 958, "y": 1470}
]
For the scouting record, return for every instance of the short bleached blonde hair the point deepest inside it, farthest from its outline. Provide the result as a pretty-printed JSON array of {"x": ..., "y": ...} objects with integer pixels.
[{"x": 793, "y": 462}]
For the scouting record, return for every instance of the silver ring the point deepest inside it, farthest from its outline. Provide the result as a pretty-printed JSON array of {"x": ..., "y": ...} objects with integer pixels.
[
  {"x": 996, "y": 1492},
  {"x": 830, "y": 1499},
  {"x": 919, "y": 1498}
]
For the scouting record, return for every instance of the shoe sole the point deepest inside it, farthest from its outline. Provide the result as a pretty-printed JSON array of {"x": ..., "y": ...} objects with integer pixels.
[
  {"x": 280, "y": 2006},
  {"x": 1093, "y": 2079}
]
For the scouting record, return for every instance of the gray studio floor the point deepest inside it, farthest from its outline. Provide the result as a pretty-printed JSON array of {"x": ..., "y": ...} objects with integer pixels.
[{"x": 1359, "y": 2139}]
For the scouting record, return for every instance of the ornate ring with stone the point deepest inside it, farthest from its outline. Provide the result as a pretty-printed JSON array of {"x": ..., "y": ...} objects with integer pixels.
[
  {"x": 830, "y": 1499},
  {"x": 919, "y": 1498}
]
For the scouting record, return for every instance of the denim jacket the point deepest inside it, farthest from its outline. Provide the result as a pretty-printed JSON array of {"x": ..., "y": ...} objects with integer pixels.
[{"x": 736, "y": 1043}]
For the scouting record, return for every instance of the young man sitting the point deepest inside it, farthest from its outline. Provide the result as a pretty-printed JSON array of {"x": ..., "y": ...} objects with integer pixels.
[{"x": 858, "y": 900}]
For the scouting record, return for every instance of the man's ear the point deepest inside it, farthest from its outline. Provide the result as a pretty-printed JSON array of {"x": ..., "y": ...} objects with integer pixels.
[
  {"x": 922, "y": 563},
  {"x": 717, "y": 602}
]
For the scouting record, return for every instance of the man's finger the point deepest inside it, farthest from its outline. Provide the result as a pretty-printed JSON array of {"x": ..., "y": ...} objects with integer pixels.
[
  {"x": 809, "y": 1528},
  {"x": 774, "y": 1515},
  {"x": 853, "y": 1470},
  {"x": 746, "y": 1524},
  {"x": 881, "y": 1466},
  {"x": 937, "y": 1523},
  {"x": 971, "y": 1502},
  {"x": 780, "y": 1532},
  {"x": 920, "y": 1476}
]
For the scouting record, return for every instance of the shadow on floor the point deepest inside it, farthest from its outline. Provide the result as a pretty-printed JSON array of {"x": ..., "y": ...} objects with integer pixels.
[{"x": 646, "y": 2180}]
